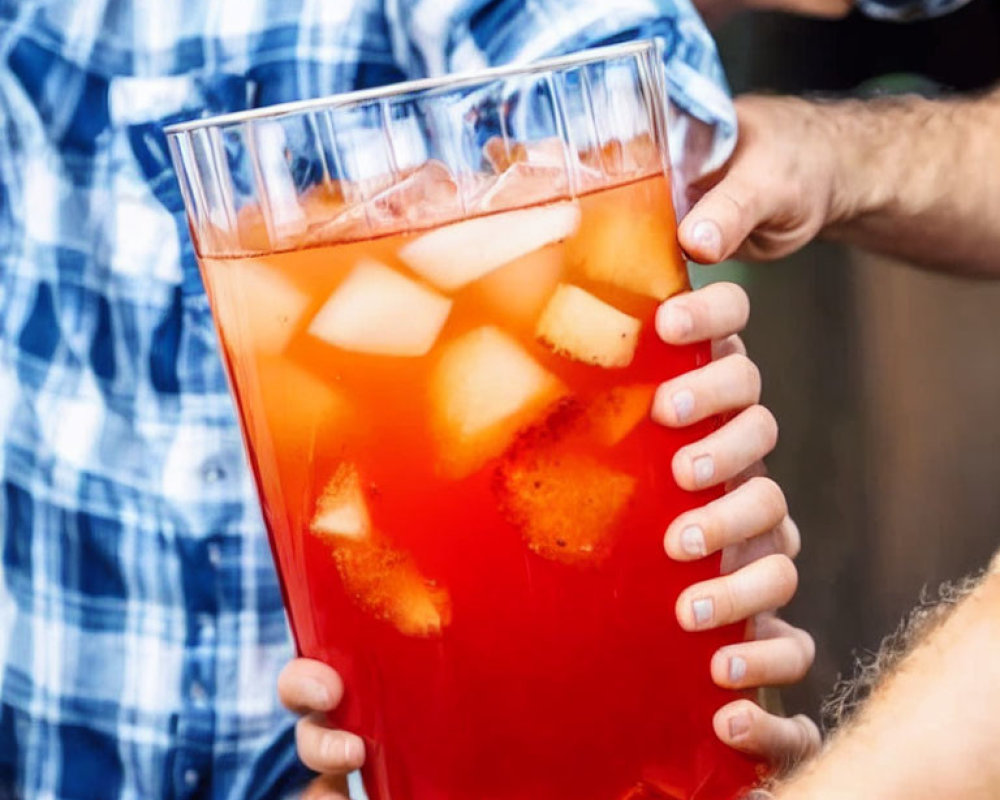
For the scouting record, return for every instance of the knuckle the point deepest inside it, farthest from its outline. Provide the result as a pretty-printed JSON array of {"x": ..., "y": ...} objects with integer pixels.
[
  {"x": 734, "y": 195},
  {"x": 784, "y": 575},
  {"x": 769, "y": 495},
  {"x": 807, "y": 646},
  {"x": 751, "y": 373},
  {"x": 809, "y": 735},
  {"x": 762, "y": 418},
  {"x": 307, "y": 743},
  {"x": 738, "y": 300}
]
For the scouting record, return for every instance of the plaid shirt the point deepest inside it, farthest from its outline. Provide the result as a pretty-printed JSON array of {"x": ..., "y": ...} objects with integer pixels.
[{"x": 141, "y": 624}]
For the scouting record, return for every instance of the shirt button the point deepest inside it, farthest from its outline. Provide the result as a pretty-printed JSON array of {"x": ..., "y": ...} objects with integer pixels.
[
  {"x": 197, "y": 693},
  {"x": 191, "y": 778},
  {"x": 213, "y": 472},
  {"x": 206, "y": 624}
]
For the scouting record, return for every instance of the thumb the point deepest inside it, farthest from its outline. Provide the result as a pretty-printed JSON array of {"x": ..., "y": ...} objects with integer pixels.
[{"x": 719, "y": 222}]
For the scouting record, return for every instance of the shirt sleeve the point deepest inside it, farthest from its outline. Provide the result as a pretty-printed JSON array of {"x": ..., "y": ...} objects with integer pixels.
[
  {"x": 908, "y": 10},
  {"x": 441, "y": 36}
]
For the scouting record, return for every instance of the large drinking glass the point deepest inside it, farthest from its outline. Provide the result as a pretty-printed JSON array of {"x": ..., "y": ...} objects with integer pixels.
[{"x": 435, "y": 302}]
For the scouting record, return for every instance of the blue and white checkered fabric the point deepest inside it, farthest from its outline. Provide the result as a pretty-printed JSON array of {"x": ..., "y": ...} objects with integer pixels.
[{"x": 141, "y": 626}]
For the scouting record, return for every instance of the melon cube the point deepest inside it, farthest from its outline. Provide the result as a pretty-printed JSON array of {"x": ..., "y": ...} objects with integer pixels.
[
  {"x": 580, "y": 326},
  {"x": 377, "y": 311},
  {"x": 629, "y": 248},
  {"x": 517, "y": 292},
  {"x": 257, "y": 305},
  {"x": 483, "y": 390},
  {"x": 614, "y": 414},
  {"x": 566, "y": 505},
  {"x": 455, "y": 255},
  {"x": 383, "y": 581},
  {"x": 296, "y": 415},
  {"x": 341, "y": 511}
]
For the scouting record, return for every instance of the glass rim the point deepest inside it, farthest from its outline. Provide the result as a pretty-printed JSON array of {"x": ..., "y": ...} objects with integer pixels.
[{"x": 418, "y": 86}]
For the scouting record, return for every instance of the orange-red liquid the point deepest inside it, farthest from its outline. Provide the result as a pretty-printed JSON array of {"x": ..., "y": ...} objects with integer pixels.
[{"x": 550, "y": 670}]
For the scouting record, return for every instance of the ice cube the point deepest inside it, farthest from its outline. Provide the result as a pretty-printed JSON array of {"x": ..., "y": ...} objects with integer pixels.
[
  {"x": 580, "y": 326},
  {"x": 332, "y": 218},
  {"x": 378, "y": 311},
  {"x": 637, "y": 156},
  {"x": 297, "y": 404},
  {"x": 626, "y": 247},
  {"x": 523, "y": 184},
  {"x": 502, "y": 155},
  {"x": 565, "y": 504},
  {"x": 257, "y": 305},
  {"x": 483, "y": 390},
  {"x": 426, "y": 196},
  {"x": 457, "y": 254},
  {"x": 341, "y": 511},
  {"x": 614, "y": 414},
  {"x": 384, "y": 581},
  {"x": 293, "y": 416},
  {"x": 517, "y": 292}
]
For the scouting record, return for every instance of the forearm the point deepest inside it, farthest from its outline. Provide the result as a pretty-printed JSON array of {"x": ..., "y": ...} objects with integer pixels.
[
  {"x": 930, "y": 731},
  {"x": 918, "y": 179}
]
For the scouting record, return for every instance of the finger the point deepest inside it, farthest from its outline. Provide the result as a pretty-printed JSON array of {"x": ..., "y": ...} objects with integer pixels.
[
  {"x": 754, "y": 509},
  {"x": 826, "y": 9},
  {"x": 756, "y": 470},
  {"x": 720, "y": 221},
  {"x": 783, "y": 538},
  {"x": 724, "y": 453},
  {"x": 326, "y": 787},
  {"x": 725, "y": 385},
  {"x": 325, "y": 749},
  {"x": 749, "y": 729},
  {"x": 778, "y": 661},
  {"x": 764, "y": 585},
  {"x": 728, "y": 346},
  {"x": 713, "y": 312},
  {"x": 305, "y": 685}
]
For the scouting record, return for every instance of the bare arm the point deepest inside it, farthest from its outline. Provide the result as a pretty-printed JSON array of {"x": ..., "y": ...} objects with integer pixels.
[
  {"x": 913, "y": 178},
  {"x": 930, "y": 730}
]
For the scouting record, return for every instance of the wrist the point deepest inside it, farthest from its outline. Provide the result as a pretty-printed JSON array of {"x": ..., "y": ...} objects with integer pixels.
[{"x": 883, "y": 164}]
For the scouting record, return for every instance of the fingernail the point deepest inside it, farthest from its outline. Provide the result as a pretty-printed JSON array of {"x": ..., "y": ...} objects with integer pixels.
[
  {"x": 674, "y": 322},
  {"x": 354, "y": 750},
  {"x": 739, "y": 726},
  {"x": 704, "y": 469},
  {"x": 703, "y": 610},
  {"x": 737, "y": 669},
  {"x": 317, "y": 695},
  {"x": 683, "y": 402},
  {"x": 693, "y": 541},
  {"x": 706, "y": 235}
]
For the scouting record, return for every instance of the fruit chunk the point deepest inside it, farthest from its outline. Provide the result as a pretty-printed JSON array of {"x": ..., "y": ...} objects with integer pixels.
[
  {"x": 341, "y": 512},
  {"x": 566, "y": 505},
  {"x": 385, "y": 582},
  {"x": 578, "y": 325},
  {"x": 378, "y": 311},
  {"x": 484, "y": 388},
  {"x": 631, "y": 249},
  {"x": 517, "y": 292},
  {"x": 644, "y": 791},
  {"x": 455, "y": 255},
  {"x": 614, "y": 414},
  {"x": 258, "y": 305}
]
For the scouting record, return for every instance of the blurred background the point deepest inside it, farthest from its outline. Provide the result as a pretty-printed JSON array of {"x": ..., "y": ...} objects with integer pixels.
[{"x": 884, "y": 379}]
